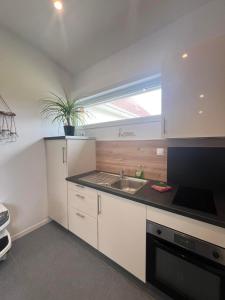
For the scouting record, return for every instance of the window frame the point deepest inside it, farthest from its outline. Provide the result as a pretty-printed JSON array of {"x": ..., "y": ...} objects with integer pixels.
[
  {"x": 133, "y": 88},
  {"x": 132, "y": 121}
]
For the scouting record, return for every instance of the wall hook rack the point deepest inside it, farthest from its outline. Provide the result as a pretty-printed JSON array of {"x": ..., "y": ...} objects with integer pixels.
[{"x": 8, "y": 132}]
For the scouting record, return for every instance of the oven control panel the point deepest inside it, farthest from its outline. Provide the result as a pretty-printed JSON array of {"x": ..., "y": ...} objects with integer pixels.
[{"x": 184, "y": 241}]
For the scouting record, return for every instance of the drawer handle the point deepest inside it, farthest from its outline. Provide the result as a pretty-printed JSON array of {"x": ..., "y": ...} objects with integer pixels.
[
  {"x": 80, "y": 215},
  {"x": 80, "y": 186},
  {"x": 80, "y": 196}
]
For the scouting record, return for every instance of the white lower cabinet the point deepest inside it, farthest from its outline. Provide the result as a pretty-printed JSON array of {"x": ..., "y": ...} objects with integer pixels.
[
  {"x": 122, "y": 232},
  {"x": 115, "y": 226},
  {"x": 82, "y": 213}
]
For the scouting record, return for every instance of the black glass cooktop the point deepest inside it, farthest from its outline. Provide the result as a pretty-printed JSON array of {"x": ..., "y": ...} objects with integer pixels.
[{"x": 195, "y": 198}]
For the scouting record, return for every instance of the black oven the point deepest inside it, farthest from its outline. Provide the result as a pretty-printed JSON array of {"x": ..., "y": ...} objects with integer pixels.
[{"x": 184, "y": 267}]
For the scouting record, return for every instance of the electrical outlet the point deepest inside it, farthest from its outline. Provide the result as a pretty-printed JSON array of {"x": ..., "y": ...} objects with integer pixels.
[{"x": 160, "y": 151}]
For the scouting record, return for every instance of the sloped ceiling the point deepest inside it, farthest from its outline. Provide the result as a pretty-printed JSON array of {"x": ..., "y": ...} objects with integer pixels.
[{"x": 89, "y": 30}]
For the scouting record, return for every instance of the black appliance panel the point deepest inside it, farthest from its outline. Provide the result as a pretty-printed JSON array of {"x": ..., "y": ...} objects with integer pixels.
[
  {"x": 199, "y": 167},
  {"x": 184, "y": 267}
]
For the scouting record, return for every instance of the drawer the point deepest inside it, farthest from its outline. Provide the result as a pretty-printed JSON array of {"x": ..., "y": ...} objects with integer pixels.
[
  {"x": 81, "y": 188},
  {"x": 83, "y": 226},
  {"x": 84, "y": 201}
]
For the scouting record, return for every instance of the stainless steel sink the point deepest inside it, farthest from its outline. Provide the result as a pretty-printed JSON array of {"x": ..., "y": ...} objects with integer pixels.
[
  {"x": 129, "y": 185},
  {"x": 101, "y": 178},
  {"x": 126, "y": 184}
]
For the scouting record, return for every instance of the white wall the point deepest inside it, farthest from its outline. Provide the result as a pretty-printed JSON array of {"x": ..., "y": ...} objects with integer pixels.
[
  {"x": 25, "y": 76},
  {"x": 126, "y": 130},
  {"x": 146, "y": 57}
]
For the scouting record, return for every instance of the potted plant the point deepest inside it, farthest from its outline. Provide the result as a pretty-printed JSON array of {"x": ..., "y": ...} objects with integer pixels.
[{"x": 65, "y": 110}]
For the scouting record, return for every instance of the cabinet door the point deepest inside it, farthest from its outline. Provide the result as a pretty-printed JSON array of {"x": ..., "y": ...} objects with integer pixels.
[
  {"x": 57, "y": 185},
  {"x": 122, "y": 233},
  {"x": 193, "y": 92}
]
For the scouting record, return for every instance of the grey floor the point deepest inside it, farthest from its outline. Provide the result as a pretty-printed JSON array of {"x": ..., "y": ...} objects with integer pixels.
[{"x": 51, "y": 263}]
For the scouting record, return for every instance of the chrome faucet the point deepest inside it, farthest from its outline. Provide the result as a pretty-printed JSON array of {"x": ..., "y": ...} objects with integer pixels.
[{"x": 121, "y": 173}]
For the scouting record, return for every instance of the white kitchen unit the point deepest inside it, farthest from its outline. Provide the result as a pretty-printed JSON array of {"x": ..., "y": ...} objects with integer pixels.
[
  {"x": 122, "y": 232},
  {"x": 115, "y": 226},
  {"x": 198, "y": 229},
  {"x": 83, "y": 212},
  {"x": 66, "y": 157},
  {"x": 193, "y": 91}
]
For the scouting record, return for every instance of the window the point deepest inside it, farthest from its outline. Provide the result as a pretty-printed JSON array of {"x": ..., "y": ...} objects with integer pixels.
[{"x": 136, "y": 100}]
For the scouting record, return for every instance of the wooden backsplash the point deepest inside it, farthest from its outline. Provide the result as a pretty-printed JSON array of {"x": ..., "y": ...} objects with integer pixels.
[{"x": 112, "y": 156}]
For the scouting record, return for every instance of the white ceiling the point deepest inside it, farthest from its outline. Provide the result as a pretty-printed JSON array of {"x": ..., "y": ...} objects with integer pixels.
[{"x": 89, "y": 30}]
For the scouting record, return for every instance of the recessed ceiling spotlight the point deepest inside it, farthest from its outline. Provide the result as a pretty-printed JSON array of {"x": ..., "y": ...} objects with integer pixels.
[
  {"x": 200, "y": 112},
  {"x": 202, "y": 96},
  {"x": 185, "y": 55},
  {"x": 58, "y": 5}
]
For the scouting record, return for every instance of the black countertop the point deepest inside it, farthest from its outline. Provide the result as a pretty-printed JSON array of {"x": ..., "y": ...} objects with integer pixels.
[{"x": 164, "y": 201}]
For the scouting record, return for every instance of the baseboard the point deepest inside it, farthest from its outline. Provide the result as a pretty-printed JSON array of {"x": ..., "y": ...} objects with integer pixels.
[{"x": 30, "y": 229}]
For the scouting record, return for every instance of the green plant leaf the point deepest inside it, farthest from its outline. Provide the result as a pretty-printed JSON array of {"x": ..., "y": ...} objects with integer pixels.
[{"x": 63, "y": 109}]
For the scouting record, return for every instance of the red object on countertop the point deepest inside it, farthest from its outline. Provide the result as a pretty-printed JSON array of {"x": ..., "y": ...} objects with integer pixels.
[{"x": 160, "y": 188}]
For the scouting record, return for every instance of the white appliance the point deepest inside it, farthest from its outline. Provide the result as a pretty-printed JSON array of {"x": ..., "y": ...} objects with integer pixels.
[{"x": 5, "y": 239}]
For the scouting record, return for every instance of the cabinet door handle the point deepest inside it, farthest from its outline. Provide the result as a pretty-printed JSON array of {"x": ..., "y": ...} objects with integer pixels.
[
  {"x": 64, "y": 154},
  {"x": 99, "y": 205},
  {"x": 80, "y": 196},
  {"x": 80, "y": 215},
  {"x": 164, "y": 126}
]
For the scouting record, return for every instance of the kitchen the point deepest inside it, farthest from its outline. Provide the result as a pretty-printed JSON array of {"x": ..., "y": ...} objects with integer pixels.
[{"x": 132, "y": 203}]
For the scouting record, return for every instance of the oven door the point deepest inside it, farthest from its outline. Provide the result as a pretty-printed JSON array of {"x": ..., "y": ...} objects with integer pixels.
[{"x": 182, "y": 274}]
